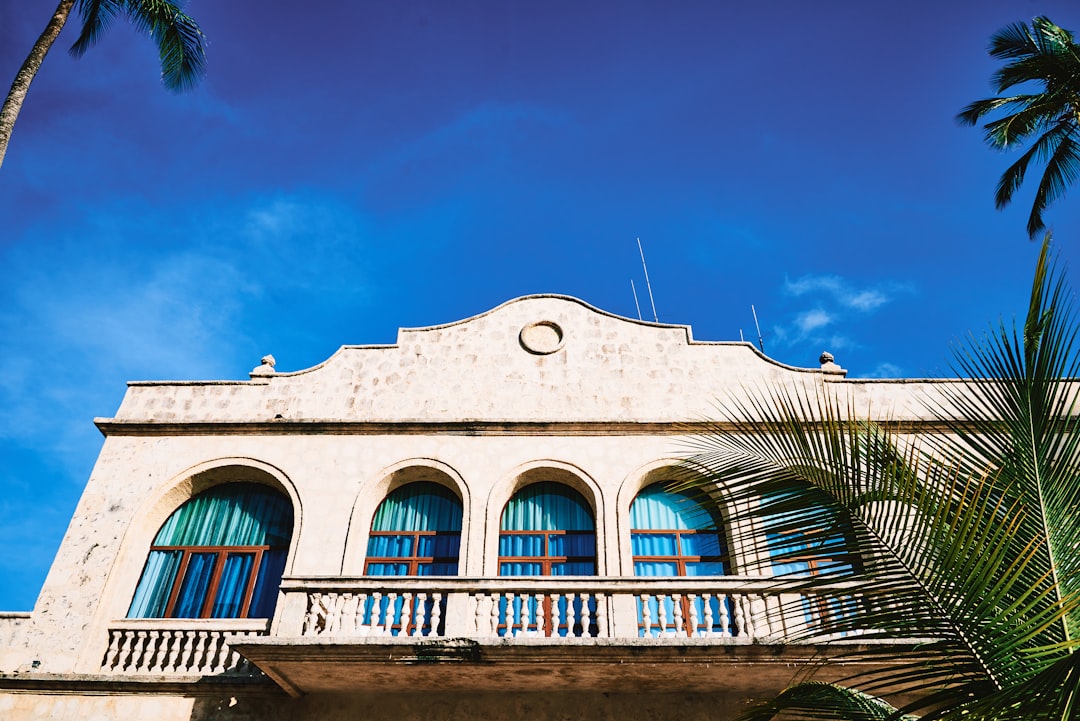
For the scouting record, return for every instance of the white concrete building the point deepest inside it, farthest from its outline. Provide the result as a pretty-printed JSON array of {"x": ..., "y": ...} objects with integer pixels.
[{"x": 465, "y": 524}]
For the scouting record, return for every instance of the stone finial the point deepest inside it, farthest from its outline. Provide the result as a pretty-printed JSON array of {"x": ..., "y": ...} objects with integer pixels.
[
  {"x": 828, "y": 364},
  {"x": 266, "y": 368}
]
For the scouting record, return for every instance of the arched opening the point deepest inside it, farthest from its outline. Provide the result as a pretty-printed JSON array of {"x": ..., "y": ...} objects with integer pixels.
[
  {"x": 219, "y": 555},
  {"x": 678, "y": 533},
  {"x": 547, "y": 529},
  {"x": 416, "y": 531}
]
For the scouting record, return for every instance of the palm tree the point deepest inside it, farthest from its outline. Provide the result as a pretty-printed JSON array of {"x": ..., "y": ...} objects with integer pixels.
[
  {"x": 963, "y": 540},
  {"x": 1046, "y": 55},
  {"x": 178, "y": 37}
]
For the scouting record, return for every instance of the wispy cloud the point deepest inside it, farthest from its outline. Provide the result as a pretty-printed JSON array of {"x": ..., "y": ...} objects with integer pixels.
[
  {"x": 828, "y": 307},
  {"x": 843, "y": 292}
]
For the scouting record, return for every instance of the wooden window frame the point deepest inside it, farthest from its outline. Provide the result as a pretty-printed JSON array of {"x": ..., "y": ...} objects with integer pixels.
[
  {"x": 221, "y": 554},
  {"x": 414, "y": 560}
]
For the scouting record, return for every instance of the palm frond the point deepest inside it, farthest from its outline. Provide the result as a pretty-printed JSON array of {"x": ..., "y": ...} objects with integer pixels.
[
  {"x": 823, "y": 701},
  {"x": 967, "y": 537},
  {"x": 97, "y": 15},
  {"x": 181, "y": 44}
]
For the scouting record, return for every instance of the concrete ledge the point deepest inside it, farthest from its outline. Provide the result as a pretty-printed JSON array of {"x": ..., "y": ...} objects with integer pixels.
[{"x": 314, "y": 665}]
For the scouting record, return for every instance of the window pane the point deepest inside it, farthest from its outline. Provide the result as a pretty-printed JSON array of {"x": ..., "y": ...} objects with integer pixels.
[
  {"x": 701, "y": 544},
  {"x": 656, "y": 568},
  {"x": 233, "y": 585},
  {"x": 653, "y": 544},
  {"x": 572, "y": 544},
  {"x": 439, "y": 546},
  {"x": 196, "y": 583},
  {"x": 390, "y": 546},
  {"x": 387, "y": 569},
  {"x": 705, "y": 568},
  {"x": 574, "y": 568},
  {"x": 437, "y": 569},
  {"x": 509, "y": 568},
  {"x": 521, "y": 545},
  {"x": 265, "y": 597},
  {"x": 152, "y": 593}
]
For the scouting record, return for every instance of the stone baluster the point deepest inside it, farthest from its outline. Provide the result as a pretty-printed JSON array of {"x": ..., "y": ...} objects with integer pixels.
[
  {"x": 112, "y": 654},
  {"x": 676, "y": 607},
  {"x": 159, "y": 645},
  {"x": 508, "y": 616},
  {"x": 661, "y": 612},
  {"x": 492, "y": 614},
  {"x": 646, "y": 615},
  {"x": 556, "y": 613},
  {"x": 601, "y": 616},
  {"x": 541, "y": 620},
  {"x": 334, "y": 602},
  {"x": 391, "y": 613},
  {"x": 571, "y": 615},
  {"x": 139, "y": 647},
  {"x": 419, "y": 614},
  {"x": 360, "y": 612},
  {"x": 751, "y": 628},
  {"x": 311, "y": 620},
  {"x": 376, "y": 612},
  {"x": 198, "y": 660},
  {"x": 694, "y": 619},
  {"x": 408, "y": 608},
  {"x": 347, "y": 624},
  {"x": 218, "y": 652},
  {"x": 585, "y": 615},
  {"x": 436, "y": 614},
  {"x": 740, "y": 618},
  {"x": 185, "y": 662},
  {"x": 173, "y": 664}
]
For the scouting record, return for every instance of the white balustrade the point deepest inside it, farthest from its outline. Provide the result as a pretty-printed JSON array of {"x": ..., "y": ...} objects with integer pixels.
[
  {"x": 179, "y": 646},
  {"x": 738, "y": 608}
]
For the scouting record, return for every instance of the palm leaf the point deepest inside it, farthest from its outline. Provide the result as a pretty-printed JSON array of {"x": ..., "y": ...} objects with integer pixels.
[
  {"x": 822, "y": 700},
  {"x": 967, "y": 538}
]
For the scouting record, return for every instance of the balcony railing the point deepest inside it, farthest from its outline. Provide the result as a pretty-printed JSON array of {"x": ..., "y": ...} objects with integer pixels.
[
  {"x": 740, "y": 608},
  {"x": 179, "y": 646}
]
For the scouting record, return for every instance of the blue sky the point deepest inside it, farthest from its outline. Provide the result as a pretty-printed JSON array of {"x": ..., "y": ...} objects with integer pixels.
[{"x": 345, "y": 172}]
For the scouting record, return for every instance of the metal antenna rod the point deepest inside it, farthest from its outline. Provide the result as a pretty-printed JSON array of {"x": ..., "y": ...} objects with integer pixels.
[
  {"x": 636, "y": 304},
  {"x": 760, "y": 342},
  {"x": 647, "y": 283}
]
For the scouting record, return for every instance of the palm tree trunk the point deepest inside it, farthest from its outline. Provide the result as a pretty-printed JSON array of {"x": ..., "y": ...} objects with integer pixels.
[{"x": 19, "y": 87}]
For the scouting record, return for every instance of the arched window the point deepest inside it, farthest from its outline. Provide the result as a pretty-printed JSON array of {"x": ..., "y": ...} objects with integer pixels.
[
  {"x": 220, "y": 555},
  {"x": 679, "y": 534},
  {"x": 547, "y": 529},
  {"x": 416, "y": 532},
  {"x": 676, "y": 534}
]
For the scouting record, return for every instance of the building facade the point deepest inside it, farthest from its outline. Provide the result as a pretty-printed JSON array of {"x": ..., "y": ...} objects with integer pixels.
[{"x": 470, "y": 523}]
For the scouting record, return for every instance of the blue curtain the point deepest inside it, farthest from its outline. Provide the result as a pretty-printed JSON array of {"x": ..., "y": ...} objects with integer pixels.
[
  {"x": 230, "y": 515},
  {"x": 548, "y": 506},
  {"x": 658, "y": 509},
  {"x": 423, "y": 507}
]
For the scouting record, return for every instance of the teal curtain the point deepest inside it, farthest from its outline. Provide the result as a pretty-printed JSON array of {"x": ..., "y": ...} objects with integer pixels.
[
  {"x": 423, "y": 506},
  {"x": 230, "y": 515},
  {"x": 548, "y": 506},
  {"x": 418, "y": 508},
  {"x": 701, "y": 533}
]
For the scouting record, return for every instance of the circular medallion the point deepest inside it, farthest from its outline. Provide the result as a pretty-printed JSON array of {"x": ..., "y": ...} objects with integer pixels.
[{"x": 542, "y": 337}]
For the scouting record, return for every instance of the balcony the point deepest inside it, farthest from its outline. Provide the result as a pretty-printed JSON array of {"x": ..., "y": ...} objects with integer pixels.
[{"x": 550, "y": 633}]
